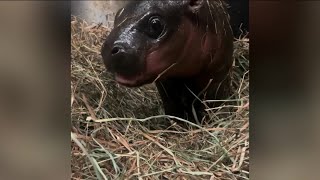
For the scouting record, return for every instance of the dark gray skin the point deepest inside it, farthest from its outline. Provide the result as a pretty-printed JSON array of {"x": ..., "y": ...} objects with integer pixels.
[{"x": 182, "y": 46}]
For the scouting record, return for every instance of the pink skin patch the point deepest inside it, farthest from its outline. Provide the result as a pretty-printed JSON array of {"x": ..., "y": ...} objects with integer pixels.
[
  {"x": 131, "y": 81},
  {"x": 127, "y": 81},
  {"x": 186, "y": 54}
]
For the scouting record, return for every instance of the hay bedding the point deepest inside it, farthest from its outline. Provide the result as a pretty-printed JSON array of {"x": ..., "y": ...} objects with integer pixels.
[{"x": 107, "y": 147}]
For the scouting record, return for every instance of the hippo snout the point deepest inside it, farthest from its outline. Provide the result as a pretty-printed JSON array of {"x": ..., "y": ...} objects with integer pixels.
[{"x": 121, "y": 59}]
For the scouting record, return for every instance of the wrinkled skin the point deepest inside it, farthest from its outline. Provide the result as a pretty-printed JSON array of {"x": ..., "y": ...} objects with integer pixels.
[{"x": 179, "y": 45}]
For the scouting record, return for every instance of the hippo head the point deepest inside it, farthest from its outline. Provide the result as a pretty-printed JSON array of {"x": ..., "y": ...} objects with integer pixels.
[{"x": 153, "y": 40}]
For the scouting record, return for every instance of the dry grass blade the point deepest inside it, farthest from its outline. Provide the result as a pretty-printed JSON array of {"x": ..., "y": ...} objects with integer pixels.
[{"x": 97, "y": 169}]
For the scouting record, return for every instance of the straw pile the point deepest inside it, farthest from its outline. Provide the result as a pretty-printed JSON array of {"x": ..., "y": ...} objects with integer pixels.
[{"x": 121, "y": 133}]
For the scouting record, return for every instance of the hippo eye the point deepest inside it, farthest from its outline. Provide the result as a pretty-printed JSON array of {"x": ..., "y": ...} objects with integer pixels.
[{"x": 156, "y": 27}]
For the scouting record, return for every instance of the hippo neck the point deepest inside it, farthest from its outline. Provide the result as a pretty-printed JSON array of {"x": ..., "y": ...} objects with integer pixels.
[{"x": 216, "y": 67}]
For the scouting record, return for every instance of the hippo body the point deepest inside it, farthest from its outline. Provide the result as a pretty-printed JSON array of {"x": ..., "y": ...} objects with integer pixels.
[{"x": 185, "y": 47}]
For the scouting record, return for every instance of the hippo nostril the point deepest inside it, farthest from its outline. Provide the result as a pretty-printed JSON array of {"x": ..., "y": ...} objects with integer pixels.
[{"x": 116, "y": 50}]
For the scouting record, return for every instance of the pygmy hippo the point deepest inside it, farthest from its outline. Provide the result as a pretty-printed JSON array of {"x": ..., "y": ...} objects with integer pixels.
[{"x": 185, "y": 47}]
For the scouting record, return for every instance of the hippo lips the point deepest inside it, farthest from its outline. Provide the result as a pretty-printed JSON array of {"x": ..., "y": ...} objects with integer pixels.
[{"x": 132, "y": 81}]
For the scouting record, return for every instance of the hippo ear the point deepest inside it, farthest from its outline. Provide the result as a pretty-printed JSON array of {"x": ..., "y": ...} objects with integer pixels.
[{"x": 195, "y": 5}]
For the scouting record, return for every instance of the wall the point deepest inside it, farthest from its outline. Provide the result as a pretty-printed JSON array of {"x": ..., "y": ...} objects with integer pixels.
[{"x": 97, "y": 11}]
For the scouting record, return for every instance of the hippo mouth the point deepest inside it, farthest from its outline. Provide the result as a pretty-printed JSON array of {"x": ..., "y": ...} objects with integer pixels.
[
  {"x": 153, "y": 68},
  {"x": 133, "y": 81}
]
